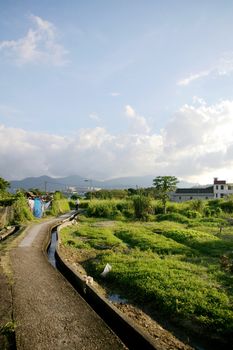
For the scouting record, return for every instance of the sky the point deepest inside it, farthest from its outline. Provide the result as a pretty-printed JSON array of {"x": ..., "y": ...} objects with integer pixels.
[{"x": 107, "y": 89}]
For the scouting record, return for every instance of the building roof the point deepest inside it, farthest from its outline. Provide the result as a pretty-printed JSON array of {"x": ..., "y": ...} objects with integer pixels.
[
  {"x": 219, "y": 182},
  {"x": 197, "y": 190}
]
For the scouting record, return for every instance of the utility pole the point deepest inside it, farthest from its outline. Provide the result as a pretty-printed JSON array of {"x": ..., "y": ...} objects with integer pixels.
[{"x": 45, "y": 186}]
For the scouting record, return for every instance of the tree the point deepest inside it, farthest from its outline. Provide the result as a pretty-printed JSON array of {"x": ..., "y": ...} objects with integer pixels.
[
  {"x": 163, "y": 186},
  {"x": 4, "y": 184}
]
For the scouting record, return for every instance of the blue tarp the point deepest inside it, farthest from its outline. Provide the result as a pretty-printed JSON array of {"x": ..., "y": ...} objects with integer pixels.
[{"x": 37, "y": 210}]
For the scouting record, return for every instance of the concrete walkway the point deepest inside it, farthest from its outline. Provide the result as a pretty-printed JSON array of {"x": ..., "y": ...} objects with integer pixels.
[{"x": 49, "y": 313}]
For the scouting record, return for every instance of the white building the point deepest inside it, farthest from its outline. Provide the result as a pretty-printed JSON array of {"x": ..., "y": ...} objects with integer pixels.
[
  {"x": 219, "y": 189},
  {"x": 188, "y": 194},
  {"x": 222, "y": 188}
]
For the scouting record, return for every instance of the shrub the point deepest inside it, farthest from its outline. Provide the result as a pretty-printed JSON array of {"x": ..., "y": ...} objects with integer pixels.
[
  {"x": 84, "y": 204},
  {"x": 58, "y": 195},
  {"x": 207, "y": 211},
  {"x": 6, "y": 202},
  {"x": 110, "y": 208},
  {"x": 157, "y": 207},
  {"x": 197, "y": 205},
  {"x": 173, "y": 217},
  {"x": 21, "y": 210},
  {"x": 142, "y": 206},
  {"x": 227, "y": 206},
  {"x": 59, "y": 206},
  {"x": 118, "y": 215},
  {"x": 193, "y": 214},
  {"x": 128, "y": 213},
  {"x": 101, "y": 208}
]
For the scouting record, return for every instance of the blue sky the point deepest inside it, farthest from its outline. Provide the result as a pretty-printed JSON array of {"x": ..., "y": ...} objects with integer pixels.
[{"x": 116, "y": 88}]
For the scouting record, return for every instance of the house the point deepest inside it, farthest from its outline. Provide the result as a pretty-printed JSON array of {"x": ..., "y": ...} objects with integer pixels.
[
  {"x": 219, "y": 189},
  {"x": 187, "y": 194}
]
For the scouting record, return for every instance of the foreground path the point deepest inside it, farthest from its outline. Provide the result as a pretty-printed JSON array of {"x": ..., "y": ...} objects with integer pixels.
[{"x": 48, "y": 312}]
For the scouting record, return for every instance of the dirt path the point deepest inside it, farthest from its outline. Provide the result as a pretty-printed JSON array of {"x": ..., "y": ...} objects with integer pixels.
[{"x": 48, "y": 312}]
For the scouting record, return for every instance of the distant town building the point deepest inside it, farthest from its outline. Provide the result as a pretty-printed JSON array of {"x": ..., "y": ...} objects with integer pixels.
[
  {"x": 187, "y": 194},
  {"x": 219, "y": 189}
]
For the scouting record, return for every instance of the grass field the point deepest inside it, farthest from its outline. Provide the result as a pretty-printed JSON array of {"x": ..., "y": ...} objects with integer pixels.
[{"x": 184, "y": 272}]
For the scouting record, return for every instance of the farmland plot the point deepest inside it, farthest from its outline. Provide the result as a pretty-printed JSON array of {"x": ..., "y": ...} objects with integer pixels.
[{"x": 184, "y": 274}]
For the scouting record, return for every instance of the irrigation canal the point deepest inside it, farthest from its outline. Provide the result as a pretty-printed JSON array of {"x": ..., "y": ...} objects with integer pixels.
[{"x": 129, "y": 333}]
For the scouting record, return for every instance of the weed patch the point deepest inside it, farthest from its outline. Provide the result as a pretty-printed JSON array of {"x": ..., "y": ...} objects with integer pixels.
[{"x": 177, "y": 270}]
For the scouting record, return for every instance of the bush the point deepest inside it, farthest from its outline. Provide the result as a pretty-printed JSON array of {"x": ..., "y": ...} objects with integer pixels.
[
  {"x": 207, "y": 211},
  {"x": 59, "y": 206},
  {"x": 173, "y": 217},
  {"x": 157, "y": 207},
  {"x": 7, "y": 202},
  {"x": 197, "y": 205},
  {"x": 193, "y": 214},
  {"x": 101, "y": 208},
  {"x": 84, "y": 204},
  {"x": 22, "y": 212},
  {"x": 58, "y": 195},
  {"x": 118, "y": 215},
  {"x": 227, "y": 206},
  {"x": 109, "y": 208},
  {"x": 142, "y": 206},
  {"x": 128, "y": 213}
]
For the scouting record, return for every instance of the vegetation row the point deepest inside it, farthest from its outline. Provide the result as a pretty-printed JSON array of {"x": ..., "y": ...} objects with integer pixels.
[{"x": 179, "y": 263}]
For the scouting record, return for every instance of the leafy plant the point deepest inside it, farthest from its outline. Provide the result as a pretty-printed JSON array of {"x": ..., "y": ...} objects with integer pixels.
[
  {"x": 142, "y": 206},
  {"x": 59, "y": 206},
  {"x": 21, "y": 210}
]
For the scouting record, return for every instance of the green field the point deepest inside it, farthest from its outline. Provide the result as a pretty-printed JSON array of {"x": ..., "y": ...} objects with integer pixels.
[{"x": 184, "y": 271}]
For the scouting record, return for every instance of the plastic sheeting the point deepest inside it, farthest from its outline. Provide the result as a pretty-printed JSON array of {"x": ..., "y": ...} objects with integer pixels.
[{"x": 37, "y": 210}]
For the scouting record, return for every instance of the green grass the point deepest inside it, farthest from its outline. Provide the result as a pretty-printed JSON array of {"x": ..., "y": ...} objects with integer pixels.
[
  {"x": 175, "y": 269},
  {"x": 59, "y": 206}
]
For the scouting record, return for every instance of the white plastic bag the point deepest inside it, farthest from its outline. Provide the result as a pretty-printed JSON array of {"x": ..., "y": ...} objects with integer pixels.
[{"x": 107, "y": 269}]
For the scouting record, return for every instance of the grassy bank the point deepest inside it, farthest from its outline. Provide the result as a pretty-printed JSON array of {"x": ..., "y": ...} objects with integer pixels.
[{"x": 185, "y": 273}]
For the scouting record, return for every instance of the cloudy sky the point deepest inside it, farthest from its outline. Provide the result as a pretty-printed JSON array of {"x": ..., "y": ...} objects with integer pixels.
[{"x": 108, "y": 89}]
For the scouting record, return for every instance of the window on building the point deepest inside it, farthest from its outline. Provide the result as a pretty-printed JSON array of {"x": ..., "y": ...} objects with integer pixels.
[
  {"x": 216, "y": 195},
  {"x": 206, "y": 197},
  {"x": 191, "y": 197},
  {"x": 222, "y": 187},
  {"x": 180, "y": 198},
  {"x": 222, "y": 195},
  {"x": 216, "y": 187},
  {"x": 229, "y": 187}
]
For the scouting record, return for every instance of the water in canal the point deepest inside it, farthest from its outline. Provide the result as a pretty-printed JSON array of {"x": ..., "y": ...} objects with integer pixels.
[{"x": 52, "y": 248}]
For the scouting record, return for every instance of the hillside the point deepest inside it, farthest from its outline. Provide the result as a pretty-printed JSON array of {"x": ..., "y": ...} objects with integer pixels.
[{"x": 51, "y": 184}]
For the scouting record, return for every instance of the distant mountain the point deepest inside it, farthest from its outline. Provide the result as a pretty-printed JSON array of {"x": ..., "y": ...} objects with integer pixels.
[
  {"x": 52, "y": 184},
  {"x": 47, "y": 183}
]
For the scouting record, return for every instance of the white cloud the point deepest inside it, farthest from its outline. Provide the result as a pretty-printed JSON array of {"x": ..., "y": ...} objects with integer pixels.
[
  {"x": 196, "y": 145},
  {"x": 192, "y": 77},
  {"x": 129, "y": 111},
  {"x": 38, "y": 46},
  {"x": 224, "y": 66},
  {"x": 95, "y": 117},
  {"x": 114, "y": 94},
  {"x": 139, "y": 123},
  {"x": 199, "y": 100}
]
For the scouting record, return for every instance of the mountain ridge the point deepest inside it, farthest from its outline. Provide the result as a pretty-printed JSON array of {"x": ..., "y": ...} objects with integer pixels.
[{"x": 47, "y": 183}]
